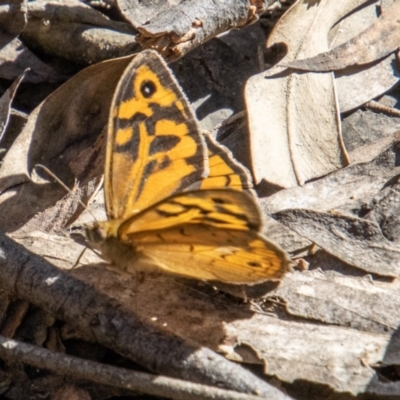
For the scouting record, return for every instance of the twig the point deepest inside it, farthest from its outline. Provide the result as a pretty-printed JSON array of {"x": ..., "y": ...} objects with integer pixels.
[
  {"x": 32, "y": 278},
  {"x": 62, "y": 364},
  {"x": 381, "y": 108}
]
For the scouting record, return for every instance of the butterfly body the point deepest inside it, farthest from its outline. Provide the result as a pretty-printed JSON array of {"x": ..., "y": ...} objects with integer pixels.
[{"x": 175, "y": 199}]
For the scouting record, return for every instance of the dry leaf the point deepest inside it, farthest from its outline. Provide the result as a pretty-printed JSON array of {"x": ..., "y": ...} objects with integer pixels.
[
  {"x": 358, "y": 242},
  {"x": 76, "y": 111},
  {"x": 374, "y": 43},
  {"x": 361, "y": 36},
  {"x": 75, "y": 31},
  {"x": 293, "y": 119},
  {"x": 362, "y": 84},
  {"x": 343, "y": 300},
  {"x": 139, "y": 13},
  {"x": 348, "y": 188},
  {"x": 5, "y": 104},
  {"x": 329, "y": 355},
  {"x": 61, "y": 251},
  {"x": 15, "y": 57}
]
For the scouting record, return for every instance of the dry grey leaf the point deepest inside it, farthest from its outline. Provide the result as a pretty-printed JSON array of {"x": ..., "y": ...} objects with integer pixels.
[
  {"x": 64, "y": 125},
  {"x": 361, "y": 84},
  {"x": 358, "y": 242},
  {"x": 348, "y": 188},
  {"x": 140, "y": 13},
  {"x": 74, "y": 31},
  {"x": 291, "y": 350},
  {"x": 5, "y": 104},
  {"x": 374, "y": 43},
  {"x": 293, "y": 119},
  {"x": 351, "y": 301},
  {"x": 358, "y": 84},
  {"x": 15, "y": 57},
  {"x": 61, "y": 251}
]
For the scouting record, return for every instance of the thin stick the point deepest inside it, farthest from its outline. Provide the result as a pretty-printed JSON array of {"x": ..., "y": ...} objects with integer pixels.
[
  {"x": 381, "y": 108},
  {"x": 162, "y": 386},
  {"x": 58, "y": 180}
]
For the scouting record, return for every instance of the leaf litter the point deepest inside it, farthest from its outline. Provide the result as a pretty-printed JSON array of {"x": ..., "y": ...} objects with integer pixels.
[{"x": 332, "y": 325}]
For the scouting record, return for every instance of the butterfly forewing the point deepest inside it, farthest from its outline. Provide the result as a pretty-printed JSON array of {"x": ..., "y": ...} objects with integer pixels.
[{"x": 154, "y": 146}]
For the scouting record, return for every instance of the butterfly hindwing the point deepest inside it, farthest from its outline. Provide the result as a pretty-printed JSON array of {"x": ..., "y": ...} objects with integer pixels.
[
  {"x": 219, "y": 208},
  {"x": 205, "y": 234},
  {"x": 154, "y": 146}
]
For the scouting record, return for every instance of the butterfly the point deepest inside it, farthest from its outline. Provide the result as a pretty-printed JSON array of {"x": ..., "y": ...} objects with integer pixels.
[{"x": 176, "y": 200}]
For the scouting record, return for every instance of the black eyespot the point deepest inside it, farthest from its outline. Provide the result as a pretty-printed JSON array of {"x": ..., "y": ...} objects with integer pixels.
[
  {"x": 254, "y": 264},
  {"x": 147, "y": 88}
]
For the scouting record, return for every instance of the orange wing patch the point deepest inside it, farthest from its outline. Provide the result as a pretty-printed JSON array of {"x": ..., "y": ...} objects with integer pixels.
[
  {"x": 154, "y": 146},
  {"x": 224, "y": 170}
]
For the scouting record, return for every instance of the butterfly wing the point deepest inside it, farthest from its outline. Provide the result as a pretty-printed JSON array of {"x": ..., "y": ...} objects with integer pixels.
[
  {"x": 218, "y": 208},
  {"x": 154, "y": 147},
  {"x": 224, "y": 170},
  {"x": 206, "y": 234},
  {"x": 209, "y": 253}
]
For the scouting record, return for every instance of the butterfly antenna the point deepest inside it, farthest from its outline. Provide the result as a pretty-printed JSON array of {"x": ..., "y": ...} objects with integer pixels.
[{"x": 58, "y": 180}]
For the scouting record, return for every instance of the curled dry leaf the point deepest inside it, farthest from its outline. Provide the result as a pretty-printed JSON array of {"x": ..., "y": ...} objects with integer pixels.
[
  {"x": 74, "y": 31},
  {"x": 293, "y": 118},
  {"x": 15, "y": 57},
  {"x": 5, "y": 104},
  {"x": 358, "y": 84},
  {"x": 348, "y": 188},
  {"x": 376, "y": 42},
  {"x": 77, "y": 110},
  {"x": 363, "y": 38}
]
